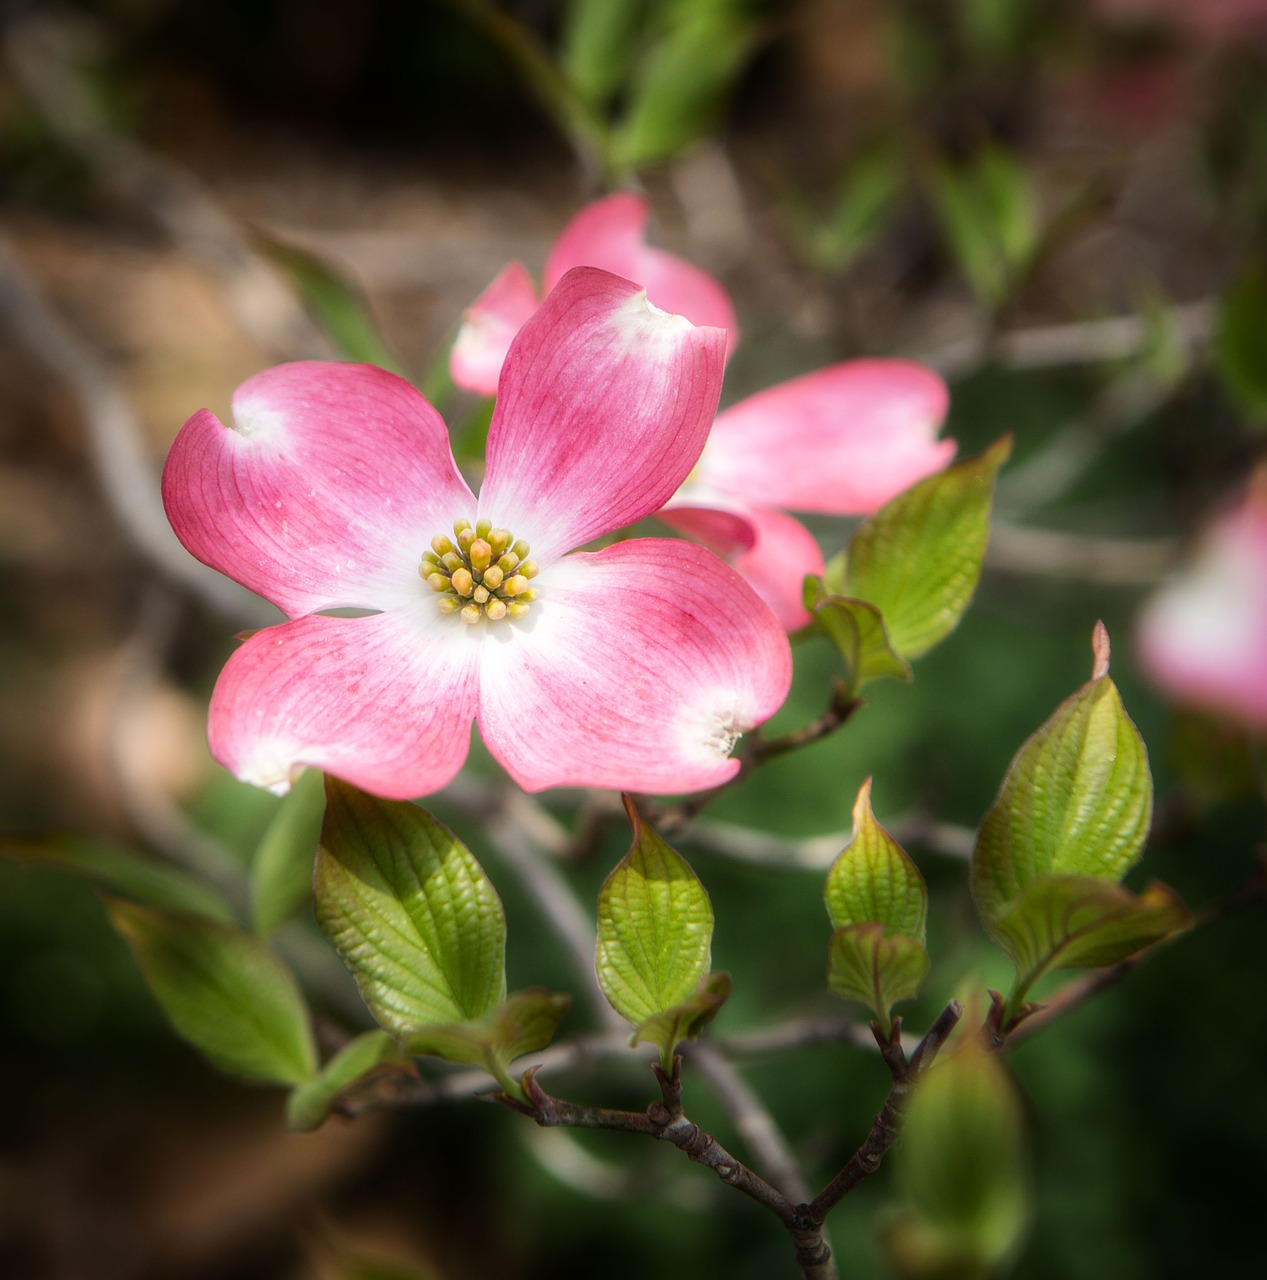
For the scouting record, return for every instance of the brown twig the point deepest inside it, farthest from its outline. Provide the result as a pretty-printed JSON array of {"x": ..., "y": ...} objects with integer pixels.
[
  {"x": 671, "y": 818},
  {"x": 885, "y": 1127}
]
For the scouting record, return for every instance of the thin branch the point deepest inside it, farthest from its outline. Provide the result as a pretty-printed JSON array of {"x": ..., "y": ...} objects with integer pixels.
[
  {"x": 751, "y": 1118},
  {"x": 1082, "y": 342},
  {"x": 801, "y": 1033},
  {"x": 1252, "y": 892},
  {"x": 1133, "y": 562},
  {"x": 672, "y": 818},
  {"x": 886, "y": 1126}
]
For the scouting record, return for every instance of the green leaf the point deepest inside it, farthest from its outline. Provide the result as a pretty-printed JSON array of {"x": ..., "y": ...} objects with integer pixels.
[
  {"x": 338, "y": 306},
  {"x": 410, "y": 912},
  {"x": 961, "y": 1166},
  {"x": 680, "y": 85},
  {"x": 918, "y": 559},
  {"x": 864, "y": 199},
  {"x": 521, "y": 1024},
  {"x": 599, "y": 40},
  {"x": 873, "y": 879},
  {"x": 879, "y": 970},
  {"x": 857, "y": 630},
  {"x": 685, "y": 1021},
  {"x": 655, "y": 929},
  {"x": 223, "y": 990},
  {"x": 1076, "y": 799},
  {"x": 1241, "y": 339},
  {"x": 1081, "y": 922},
  {"x": 281, "y": 871},
  {"x": 122, "y": 872},
  {"x": 989, "y": 215},
  {"x": 311, "y": 1102}
]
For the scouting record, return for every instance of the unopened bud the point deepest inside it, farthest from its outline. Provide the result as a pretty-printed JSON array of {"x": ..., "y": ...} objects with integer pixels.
[
  {"x": 463, "y": 583},
  {"x": 483, "y": 528},
  {"x": 529, "y": 569},
  {"x": 437, "y": 582},
  {"x": 471, "y": 614},
  {"x": 447, "y": 604},
  {"x": 441, "y": 545},
  {"x": 480, "y": 594},
  {"x": 496, "y": 610},
  {"x": 515, "y": 586},
  {"x": 481, "y": 554},
  {"x": 493, "y": 577},
  {"x": 521, "y": 549},
  {"x": 517, "y": 610}
]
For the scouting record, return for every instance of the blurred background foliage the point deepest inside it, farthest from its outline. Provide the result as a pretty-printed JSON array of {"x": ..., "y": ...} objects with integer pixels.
[{"x": 1060, "y": 204}]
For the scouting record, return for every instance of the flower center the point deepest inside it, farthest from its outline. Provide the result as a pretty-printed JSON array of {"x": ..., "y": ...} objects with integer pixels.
[{"x": 480, "y": 572}]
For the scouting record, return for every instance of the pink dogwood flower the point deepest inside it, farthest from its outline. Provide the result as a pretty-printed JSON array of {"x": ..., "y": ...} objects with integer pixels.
[
  {"x": 608, "y": 233},
  {"x": 1203, "y": 637},
  {"x": 635, "y": 667},
  {"x": 840, "y": 441}
]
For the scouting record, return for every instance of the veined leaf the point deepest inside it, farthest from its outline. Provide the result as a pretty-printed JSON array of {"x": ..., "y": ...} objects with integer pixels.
[
  {"x": 685, "y": 1021},
  {"x": 874, "y": 881},
  {"x": 865, "y": 964},
  {"x": 857, "y": 630},
  {"x": 1076, "y": 799},
  {"x": 521, "y": 1024},
  {"x": 1081, "y": 922},
  {"x": 918, "y": 559},
  {"x": 222, "y": 990},
  {"x": 410, "y": 912},
  {"x": 655, "y": 929}
]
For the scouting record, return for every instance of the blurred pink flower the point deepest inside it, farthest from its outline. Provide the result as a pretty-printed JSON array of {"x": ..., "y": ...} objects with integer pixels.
[
  {"x": 634, "y": 667},
  {"x": 840, "y": 441},
  {"x": 1203, "y": 637}
]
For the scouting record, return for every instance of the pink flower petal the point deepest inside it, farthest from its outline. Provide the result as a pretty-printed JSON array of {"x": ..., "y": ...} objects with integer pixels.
[
  {"x": 780, "y": 551},
  {"x": 611, "y": 233},
  {"x": 326, "y": 490},
  {"x": 384, "y": 702},
  {"x": 638, "y": 668},
  {"x": 604, "y": 406},
  {"x": 488, "y": 327},
  {"x": 842, "y": 440},
  {"x": 1203, "y": 636}
]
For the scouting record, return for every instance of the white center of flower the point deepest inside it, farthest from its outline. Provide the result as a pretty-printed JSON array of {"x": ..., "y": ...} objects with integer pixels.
[{"x": 480, "y": 572}]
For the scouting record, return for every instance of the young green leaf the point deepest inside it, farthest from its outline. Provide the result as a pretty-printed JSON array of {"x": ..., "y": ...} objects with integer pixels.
[
  {"x": 918, "y": 559},
  {"x": 685, "y": 1021},
  {"x": 1081, "y": 922},
  {"x": 223, "y": 990},
  {"x": 598, "y": 44},
  {"x": 878, "y": 905},
  {"x": 680, "y": 85},
  {"x": 521, "y": 1024},
  {"x": 338, "y": 306},
  {"x": 857, "y": 630},
  {"x": 863, "y": 963},
  {"x": 310, "y": 1103},
  {"x": 1076, "y": 799},
  {"x": 281, "y": 871},
  {"x": 655, "y": 929},
  {"x": 962, "y": 1168},
  {"x": 410, "y": 912},
  {"x": 873, "y": 879},
  {"x": 122, "y": 872}
]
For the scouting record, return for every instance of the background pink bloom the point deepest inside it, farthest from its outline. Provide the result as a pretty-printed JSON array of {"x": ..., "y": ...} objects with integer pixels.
[
  {"x": 839, "y": 441},
  {"x": 1203, "y": 636},
  {"x": 609, "y": 233},
  {"x": 632, "y": 667}
]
